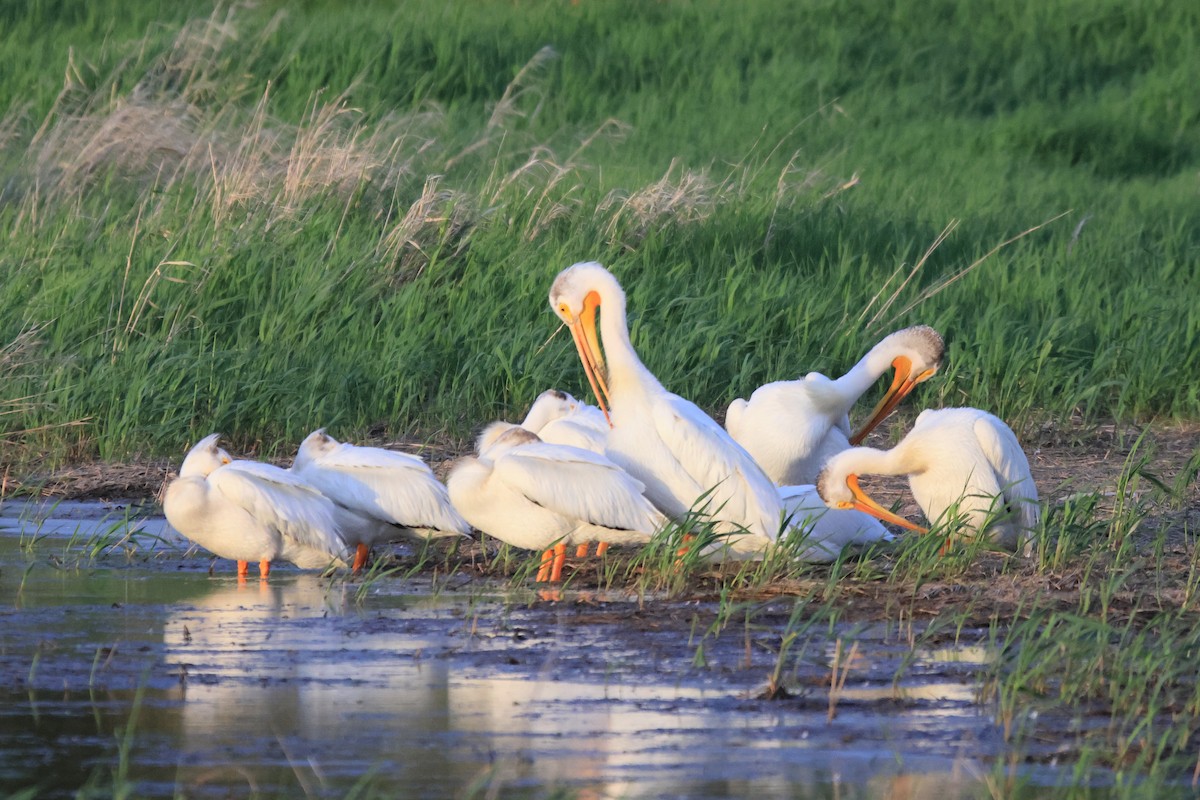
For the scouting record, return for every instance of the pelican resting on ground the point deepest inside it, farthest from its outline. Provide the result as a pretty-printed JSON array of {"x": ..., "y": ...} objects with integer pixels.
[
  {"x": 385, "y": 494},
  {"x": 540, "y": 496},
  {"x": 249, "y": 511},
  {"x": 558, "y": 418},
  {"x": 791, "y": 428},
  {"x": 688, "y": 463},
  {"x": 958, "y": 461}
]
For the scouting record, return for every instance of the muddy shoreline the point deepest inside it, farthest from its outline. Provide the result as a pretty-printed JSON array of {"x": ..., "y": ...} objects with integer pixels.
[{"x": 134, "y": 661}]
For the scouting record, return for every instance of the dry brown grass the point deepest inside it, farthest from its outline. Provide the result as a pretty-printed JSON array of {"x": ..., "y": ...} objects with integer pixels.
[
  {"x": 691, "y": 196},
  {"x": 174, "y": 125}
]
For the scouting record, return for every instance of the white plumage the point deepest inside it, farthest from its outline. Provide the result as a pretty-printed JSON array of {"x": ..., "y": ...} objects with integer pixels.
[
  {"x": 558, "y": 418},
  {"x": 538, "y": 496},
  {"x": 959, "y": 460},
  {"x": 249, "y": 511},
  {"x": 792, "y": 428},
  {"x": 386, "y": 494},
  {"x": 686, "y": 461}
]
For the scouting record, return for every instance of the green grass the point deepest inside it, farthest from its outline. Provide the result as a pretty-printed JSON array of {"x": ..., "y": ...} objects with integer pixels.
[
  {"x": 318, "y": 215},
  {"x": 337, "y": 215}
]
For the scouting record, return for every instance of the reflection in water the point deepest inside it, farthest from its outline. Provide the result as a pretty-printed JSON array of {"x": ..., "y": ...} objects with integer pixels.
[
  {"x": 291, "y": 689},
  {"x": 270, "y": 691}
]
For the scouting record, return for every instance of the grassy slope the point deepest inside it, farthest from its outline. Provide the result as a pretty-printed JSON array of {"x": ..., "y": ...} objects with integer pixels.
[{"x": 243, "y": 265}]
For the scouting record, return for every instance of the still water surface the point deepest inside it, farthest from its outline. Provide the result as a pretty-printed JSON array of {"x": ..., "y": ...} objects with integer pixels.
[{"x": 137, "y": 667}]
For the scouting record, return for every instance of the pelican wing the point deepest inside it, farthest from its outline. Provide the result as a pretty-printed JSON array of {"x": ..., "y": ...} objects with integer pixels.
[
  {"x": 714, "y": 461},
  {"x": 282, "y": 501},
  {"x": 578, "y": 484},
  {"x": 395, "y": 487},
  {"x": 1004, "y": 453}
]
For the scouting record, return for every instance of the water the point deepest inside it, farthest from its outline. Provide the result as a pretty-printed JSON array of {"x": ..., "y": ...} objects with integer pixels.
[{"x": 134, "y": 666}]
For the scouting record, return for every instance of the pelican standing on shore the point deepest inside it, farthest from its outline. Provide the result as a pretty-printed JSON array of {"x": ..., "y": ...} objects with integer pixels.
[
  {"x": 792, "y": 428},
  {"x": 250, "y": 511},
  {"x": 386, "y": 494},
  {"x": 958, "y": 460},
  {"x": 540, "y": 496}
]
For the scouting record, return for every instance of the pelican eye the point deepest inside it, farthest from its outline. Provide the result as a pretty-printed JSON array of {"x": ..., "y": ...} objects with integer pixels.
[{"x": 564, "y": 310}]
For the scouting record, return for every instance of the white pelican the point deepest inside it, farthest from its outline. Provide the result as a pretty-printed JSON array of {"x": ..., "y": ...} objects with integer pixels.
[
  {"x": 249, "y": 511},
  {"x": 685, "y": 459},
  {"x": 387, "y": 494},
  {"x": 793, "y": 427},
  {"x": 957, "y": 460},
  {"x": 558, "y": 418},
  {"x": 540, "y": 496}
]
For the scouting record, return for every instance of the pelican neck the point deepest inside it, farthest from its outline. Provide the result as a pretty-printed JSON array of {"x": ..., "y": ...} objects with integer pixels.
[
  {"x": 862, "y": 376},
  {"x": 625, "y": 368}
]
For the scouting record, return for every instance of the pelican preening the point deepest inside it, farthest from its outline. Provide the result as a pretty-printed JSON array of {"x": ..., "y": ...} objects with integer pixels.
[
  {"x": 385, "y": 493},
  {"x": 248, "y": 511},
  {"x": 792, "y": 428},
  {"x": 688, "y": 463},
  {"x": 572, "y": 473},
  {"x": 959, "y": 460},
  {"x": 540, "y": 496},
  {"x": 663, "y": 440}
]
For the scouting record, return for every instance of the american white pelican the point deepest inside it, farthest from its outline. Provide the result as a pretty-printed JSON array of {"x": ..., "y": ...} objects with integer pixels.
[
  {"x": 793, "y": 427},
  {"x": 387, "y": 494},
  {"x": 685, "y": 459},
  {"x": 558, "y": 418},
  {"x": 540, "y": 496},
  {"x": 249, "y": 511},
  {"x": 957, "y": 460}
]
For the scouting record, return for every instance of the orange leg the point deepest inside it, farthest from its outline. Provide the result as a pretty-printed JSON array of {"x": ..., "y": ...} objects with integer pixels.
[
  {"x": 360, "y": 557},
  {"x": 264, "y": 568},
  {"x": 544, "y": 569},
  {"x": 601, "y": 548},
  {"x": 581, "y": 550},
  {"x": 687, "y": 538},
  {"x": 243, "y": 569},
  {"x": 560, "y": 558}
]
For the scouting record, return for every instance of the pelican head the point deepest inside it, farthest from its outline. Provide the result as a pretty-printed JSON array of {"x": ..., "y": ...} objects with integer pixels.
[
  {"x": 843, "y": 492},
  {"x": 490, "y": 434},
  {"x": 204, "y": 457},
  {"x": 315, "y": 445},
  {"x": 500, "y": 436},
  {"x": 575, "y": 296},
  {"x": 915, "y": 354},
  {"x": 549, "y": 406}
]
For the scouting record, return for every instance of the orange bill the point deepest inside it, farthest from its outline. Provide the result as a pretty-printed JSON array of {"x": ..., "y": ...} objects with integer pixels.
[
  {"x": 583, "y": 331},
  {"x": 903, "y": 383},
  {"x": 862, "y": 502}
]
